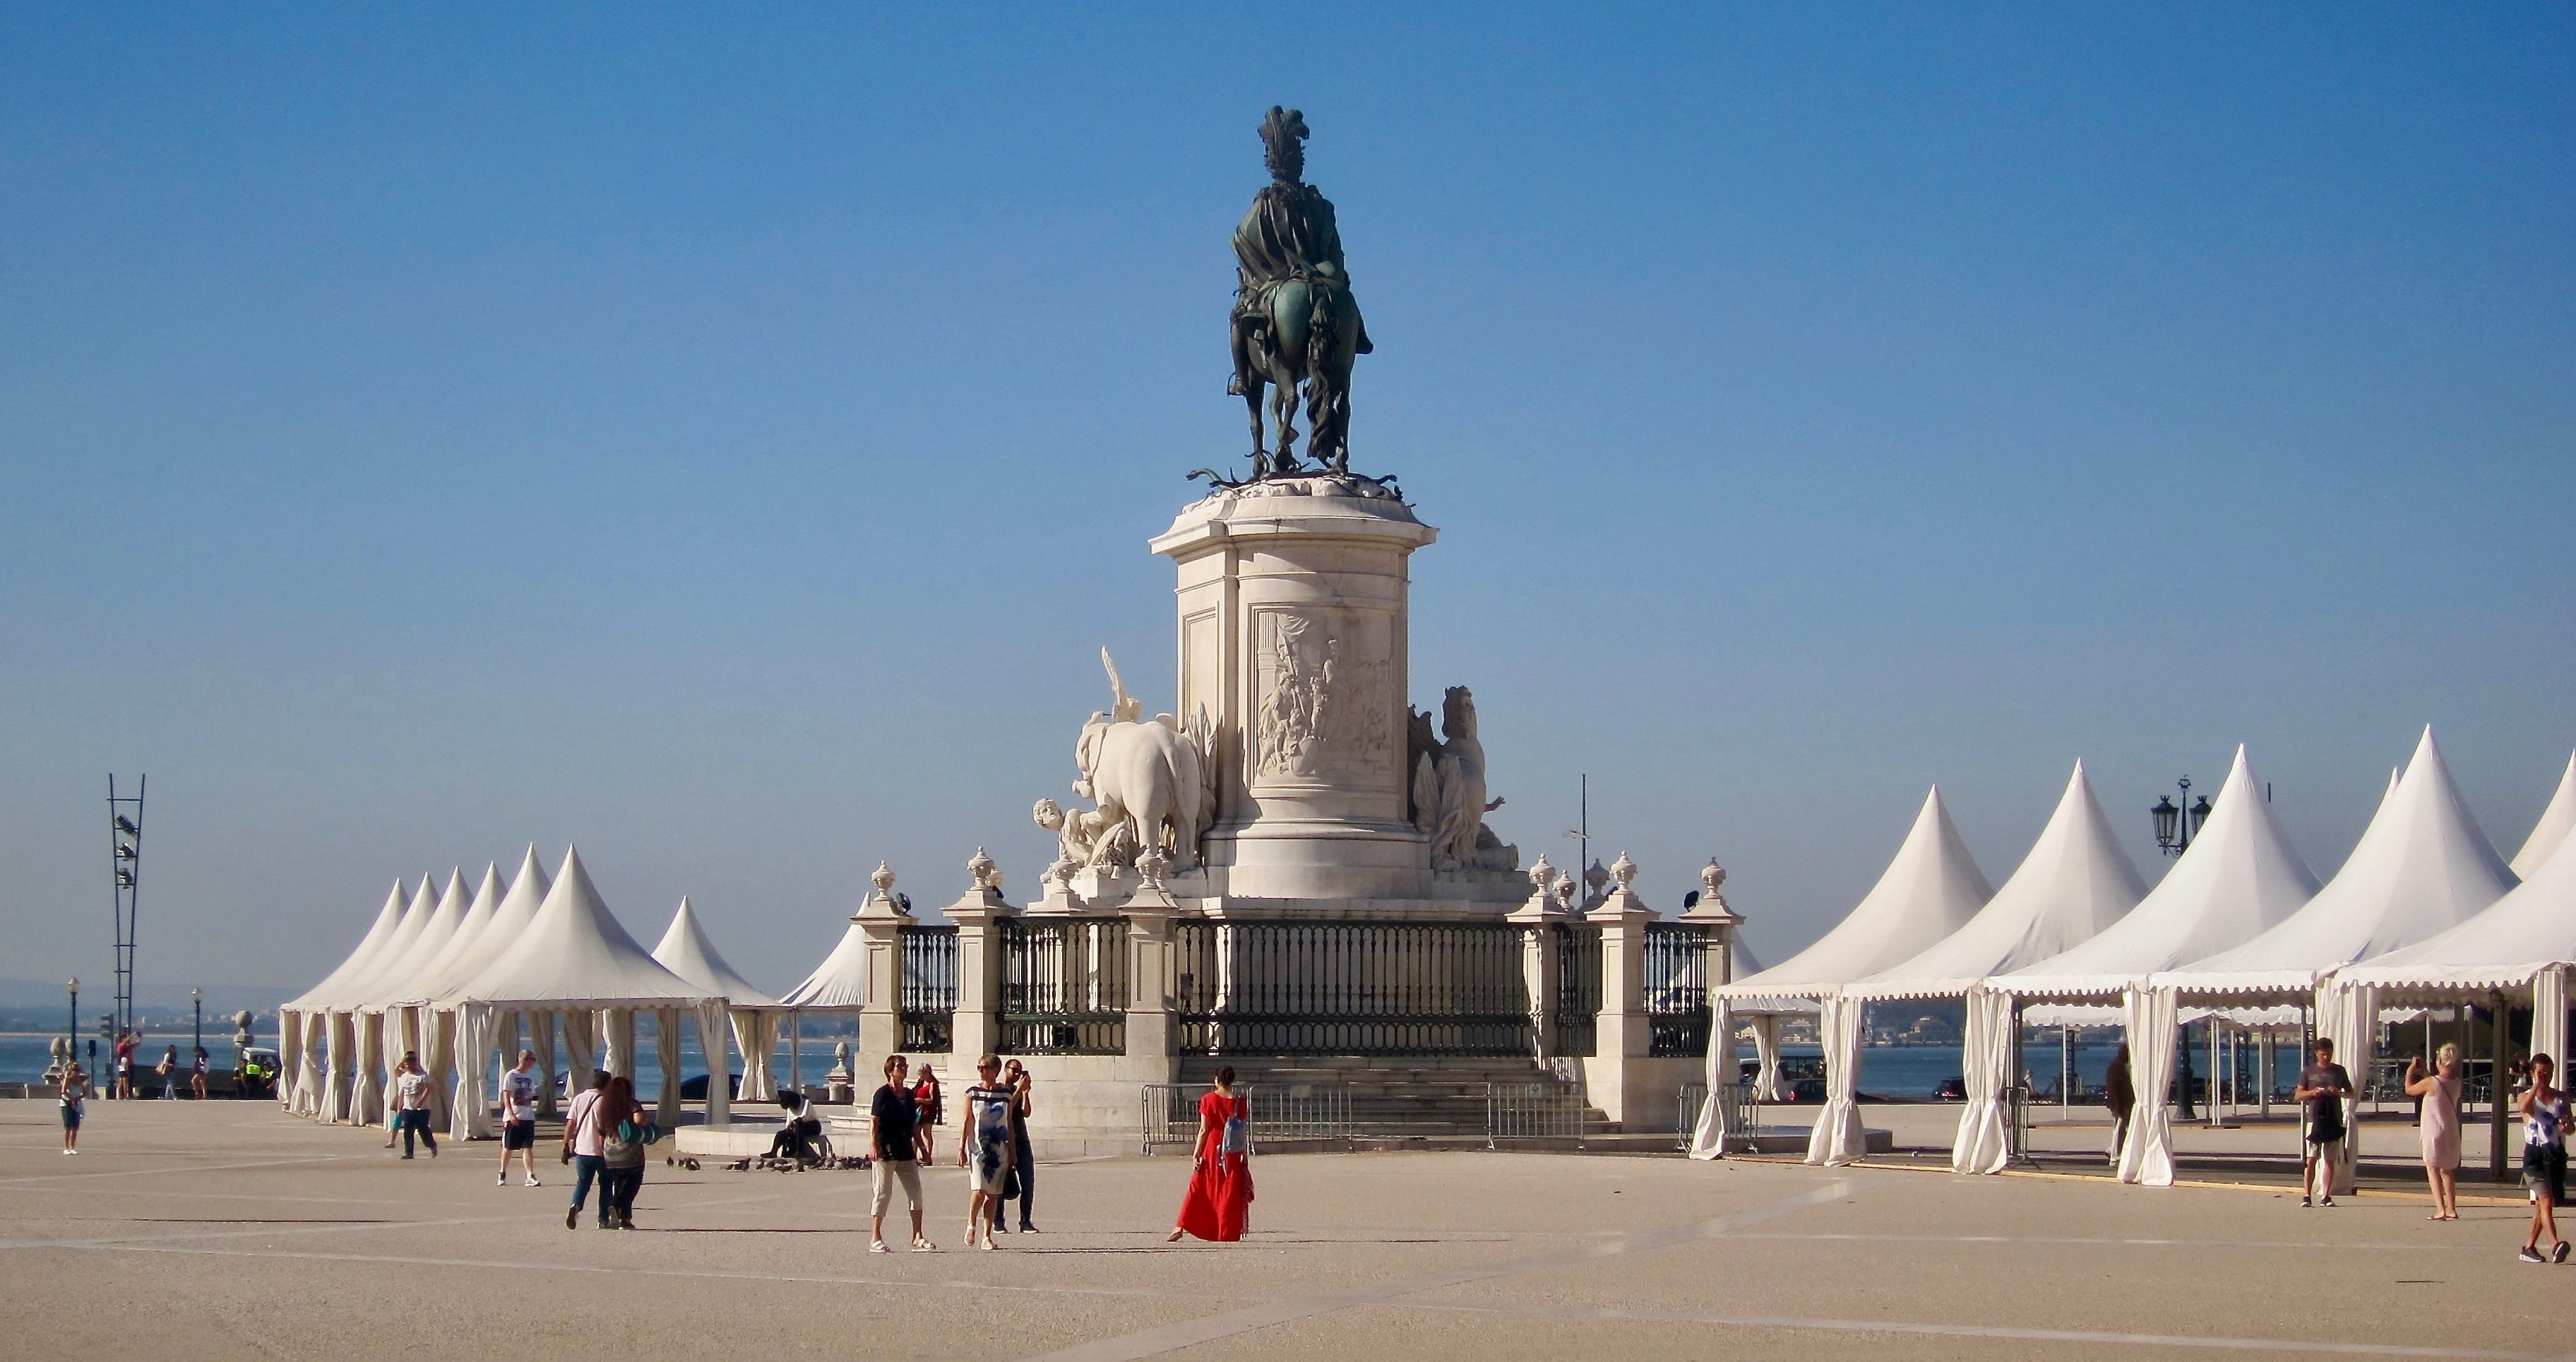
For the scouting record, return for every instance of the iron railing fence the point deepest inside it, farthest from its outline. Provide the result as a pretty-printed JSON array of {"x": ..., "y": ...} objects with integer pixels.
[
  {"x": 1743, "y": 1114},
  {"x": 1064, "y": 985},
  {"x": 926, "y": 1006},
  {"x": 1533, "y": 1111},
  {"x": 1350, "y": 988},
  {"x": 1284, "y": 1111},
  {"x": 1676, "y": 986},
  {"x": 1578, "y": 986}
]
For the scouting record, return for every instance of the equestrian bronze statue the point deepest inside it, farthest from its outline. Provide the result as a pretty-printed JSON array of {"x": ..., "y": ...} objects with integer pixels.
[{"x": 1294, "y": 320}]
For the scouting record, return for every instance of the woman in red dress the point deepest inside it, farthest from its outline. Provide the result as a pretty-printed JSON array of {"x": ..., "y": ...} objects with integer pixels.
[{"x": 1221, "y": 1171}]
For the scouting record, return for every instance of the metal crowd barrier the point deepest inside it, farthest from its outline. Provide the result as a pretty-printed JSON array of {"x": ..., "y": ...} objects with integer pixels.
[
  {"x": 1291, "y": 1111},
  {"x": 1532, "y": 1111},
  {"x": 1743, "y": 1114}
]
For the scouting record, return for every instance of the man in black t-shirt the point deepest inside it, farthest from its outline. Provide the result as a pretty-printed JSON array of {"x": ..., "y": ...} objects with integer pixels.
[
  {"x": 2323, "y": 1086},
  {"x": 891, "y": 1122}
]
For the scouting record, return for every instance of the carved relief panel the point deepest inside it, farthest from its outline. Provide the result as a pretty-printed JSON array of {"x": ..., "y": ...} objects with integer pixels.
[{"x": 1326, "y": 697}]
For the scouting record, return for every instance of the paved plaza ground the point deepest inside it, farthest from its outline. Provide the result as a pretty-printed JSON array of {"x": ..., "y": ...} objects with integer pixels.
[{"x": 229, "y": 1230}]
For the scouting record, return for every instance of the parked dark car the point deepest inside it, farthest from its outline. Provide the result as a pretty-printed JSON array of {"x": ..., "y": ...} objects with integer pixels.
[{"x": 1950, "y": 1090}]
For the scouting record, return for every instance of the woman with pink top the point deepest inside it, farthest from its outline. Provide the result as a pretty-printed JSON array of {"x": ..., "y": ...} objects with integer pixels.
[{"x": 2440, "y": 1126}]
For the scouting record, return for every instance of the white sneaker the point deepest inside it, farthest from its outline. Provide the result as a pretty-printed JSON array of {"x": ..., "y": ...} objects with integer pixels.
[
  {"x": 503, "y": 1181},
  {"x": 531, "y": 1182}
]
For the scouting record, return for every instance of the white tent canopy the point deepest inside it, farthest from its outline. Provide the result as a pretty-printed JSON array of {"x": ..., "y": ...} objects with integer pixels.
[
  {"x": 388, "y": 922},
  {"x": 396, "y": 957},
  {"x": 2074, "y": 884},
  {"x": 2527, "y": 931},
  {"x": 397, "y": 983},
  {"x": 841, "y": 981},
  {"x": 2420, "y": 868},
  {"x": 575, "y": 953},
  {"x": 687, "y": 952},
  {"x": 2552, "y": 829},
  {"x": 424, "y": 983},
  {"x": 1929, "y": 890},
  {"x": 509, "y": 921},
  {"x": 2239, "y": 877}
]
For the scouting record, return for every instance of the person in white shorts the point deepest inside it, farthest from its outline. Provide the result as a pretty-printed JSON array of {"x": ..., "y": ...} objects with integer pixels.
[
  {"x": 518, "y": 1100},
  {"x": 892, "y": 1119}
]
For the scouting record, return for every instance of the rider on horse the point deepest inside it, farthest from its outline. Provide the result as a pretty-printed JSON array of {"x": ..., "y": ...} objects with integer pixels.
[{"x": 1289, "y": 238}]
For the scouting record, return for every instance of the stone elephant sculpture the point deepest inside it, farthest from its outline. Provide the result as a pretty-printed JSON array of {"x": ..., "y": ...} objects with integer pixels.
[{"x": 1146, "y": 777}]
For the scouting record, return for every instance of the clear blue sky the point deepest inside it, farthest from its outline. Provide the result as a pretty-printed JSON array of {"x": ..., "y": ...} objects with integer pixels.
[{"x": 724, "y": 438}]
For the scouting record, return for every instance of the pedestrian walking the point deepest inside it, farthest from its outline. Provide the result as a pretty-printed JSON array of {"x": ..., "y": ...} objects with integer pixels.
[
  {"x": 197, "y": 1076},
  {"x": 2438, "y": 1125},
  {"x": 73, "y": 1095},
  {"x": 168, "y": 1069},
  {"x": 411, "y": 1105},
  {"x": 2121, "y": 1096},
  {"x": 581, "y": 1145},
  {"x": 126, "y": 1045},
  {"x": 930, "y": 1110},
  {"x": 984, "y": 1150},
  {"x": 518, "y": 1100},
  {"x": 2323, "y": 1086},
  {"x": 1022, "y": 1185},
  {"x": 2544, "y": 1158},
  {"x": 893, "y": 1136},
  {"x": 1220, "y": 1192},
  {"x": 624, "y": 1133}
]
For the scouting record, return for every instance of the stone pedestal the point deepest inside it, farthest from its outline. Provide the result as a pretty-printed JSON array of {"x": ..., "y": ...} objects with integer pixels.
[
  {"x": 1293, "y": 629},
  {"x": 975, "y": 1028},
  {"x": 881, "y": 921}
]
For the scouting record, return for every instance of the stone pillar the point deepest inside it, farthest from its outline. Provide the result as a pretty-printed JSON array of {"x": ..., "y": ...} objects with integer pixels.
[
  {"x": 1712, "y": 911},
  {"x": 976, "y": 1027},
  {"x": 1537, "y": 919},
  {"x": 1149, "y": 974},
  {"x": 1293, "y": 639},
  {"x": 1622, "y": 1030},
  {"x": 881, "y": 921}
]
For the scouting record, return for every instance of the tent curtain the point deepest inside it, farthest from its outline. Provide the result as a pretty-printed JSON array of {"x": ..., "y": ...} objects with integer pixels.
[
  {"x": 310, "y": 1082},
  {"x": 581, "y": 1048},
  {"x": 1766, "y": 1055},
  {"x": 2349, "y": 1016},
  {"x": 1982, "y": 1144},
  {"x": 755, "y": 1034},
  {"x": 666, "y": 1048},
  {"x": 710, "y": 1018},
  {"x": 1709, "y": 1136},
  {"x": 290, "y": 1058},
  {"x": 619, "y": 1029},
  {"x": 2154, "y": 1022},
  {"x": 477, "y": 1028},
  {"x": 438, "y": 1056},
  {"x": 396, "y": 1043},
  {"x": 339, "y": 1040},
  {"x": 2549, "y": 1016},
  {"x": 541, "y": 1038},
  {"x": 366, "y": 1084},
  {"x": 505, "y": 1036},
  {"x": 1838, "y": 1138}
]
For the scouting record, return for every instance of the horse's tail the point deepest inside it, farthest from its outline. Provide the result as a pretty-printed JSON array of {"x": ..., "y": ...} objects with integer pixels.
[{"x": 1323, "y": 329}]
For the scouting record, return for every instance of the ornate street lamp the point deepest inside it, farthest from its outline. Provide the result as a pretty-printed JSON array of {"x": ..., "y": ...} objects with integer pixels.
[
  {"x": 197, "y": 1005},
  {"x": 2177, "y": 824}
]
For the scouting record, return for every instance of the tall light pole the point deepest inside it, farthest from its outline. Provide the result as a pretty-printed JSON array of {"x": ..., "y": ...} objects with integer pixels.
[
  {"x": 197, "y": 1005},
  {"x": 71, "y": 1022},
  {"x": 2176, "y": 824}
]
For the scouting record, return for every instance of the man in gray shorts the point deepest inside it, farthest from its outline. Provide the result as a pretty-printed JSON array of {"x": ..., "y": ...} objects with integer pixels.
[{"x": 891, "y": 1123}]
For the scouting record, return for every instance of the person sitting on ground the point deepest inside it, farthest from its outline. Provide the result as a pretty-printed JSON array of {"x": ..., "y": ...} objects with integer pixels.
[
  {"x": 2544, "y": 1158},
  {"x": 2323, "y": 1087}
]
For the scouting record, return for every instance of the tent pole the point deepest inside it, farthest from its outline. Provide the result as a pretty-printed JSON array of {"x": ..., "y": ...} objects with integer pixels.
[
  {"x": 2065, "y": 1068},
  {"x": 2498, "y": 1086}
]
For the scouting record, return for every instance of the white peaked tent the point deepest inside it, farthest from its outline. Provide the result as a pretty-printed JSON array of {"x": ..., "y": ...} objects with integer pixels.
[
  {"x": 397, "y": 1028},
  {"x": 469, "y": 1117},
  {"x": 356, "y": 1037},
  {"x": 839, "y": 984},
  {"x": 2073, "y": 885},
  {"x": 2239, "y": 877},
  {"x": 2420, "y": 868},
  {"x": 1930, "y": 889},
  {"x": 425, "y": 983},
  {"x": 302, "y": 1090},
  {"x": 575, "y": 958},
  {"x": 2552, "y": 829},
  {"x": 686, "y": 952}
]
